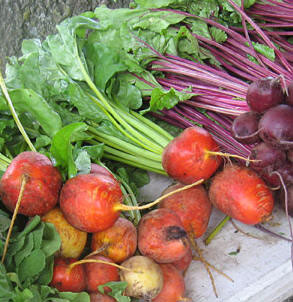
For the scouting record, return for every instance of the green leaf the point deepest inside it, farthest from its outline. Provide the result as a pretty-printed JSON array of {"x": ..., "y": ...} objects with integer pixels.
[
  {"x": 75, "y": 297},
  {"x": 104, "y": 61},
  {"x": 187, "y": 43},
  {"x": 27, "y": 100},
  {"x": 32, "y": 265},
  {"x": 46, "y": 275},
  {"x": 38, "y": 235},
  {"x": 31, "y": 225},
  {"x": 162, "y": 99},
  {"x": 117, "y": 289},
  {"x": 87, "y": 109},
  {"x": 264, "y": 50},
  {"x": 95, "y": 152},
  {"x": 4, "y": 221},
  {"x": 5, "y": 285},
  {"x": 42, "y": 141},
  {"x": 28, "y": 247},
  {"x": 51, "y": 242},
  {"x": 64, "y": 46},
  {"x": 61, "y": 148},
  {"x": 127, "y": 95},
  {"x": 218, "y": 35},
  {"x": 83, "y": 162},
  {"x": 159, "y": 3}
]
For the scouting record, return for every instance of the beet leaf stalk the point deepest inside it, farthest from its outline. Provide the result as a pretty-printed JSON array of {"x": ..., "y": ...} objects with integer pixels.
[{"x": 137, "y": 141}]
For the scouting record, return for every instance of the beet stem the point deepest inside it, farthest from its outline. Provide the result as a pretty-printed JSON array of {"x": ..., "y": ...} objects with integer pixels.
[
  {"x": 20, "y": 195},
  {"x": 72, "y": 265},
  {"x": 14, "y": 114},
  {"x": 123, "y": 207},
  {"x": 217, "y": 229}
]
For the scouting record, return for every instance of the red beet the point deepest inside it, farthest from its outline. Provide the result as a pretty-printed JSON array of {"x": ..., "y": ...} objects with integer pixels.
[
  {"x": 245, "y": 127},
  {"x": 173, "y": 287},
  {"x": 161, "y": 236},
  {"x": 41, "y": 191},
  {"x": 264, "y": 93},
  {"x": 100, "y": 273},
  {"x": 276, "y": 126},
  {"x": 289, "y": 96},
  {"x": 97, "y": 169},
  {"x": 87, "y": 201},
  {"x": 98, "y": 297},
  {"x": 192, "y": 206},
  {"x": 68, "y": 280},
  {"x": 183, "y": 263},
  {"x": 188, "y": 157}
]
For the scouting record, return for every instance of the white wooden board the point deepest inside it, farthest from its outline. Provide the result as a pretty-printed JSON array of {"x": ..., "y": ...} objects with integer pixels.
[{"x": 262, "y": 270}]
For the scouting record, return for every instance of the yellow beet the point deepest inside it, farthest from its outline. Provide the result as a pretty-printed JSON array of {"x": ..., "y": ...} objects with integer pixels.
[
  {"x": 73, "y": 240},
  {"x": 144, "y": 277}
]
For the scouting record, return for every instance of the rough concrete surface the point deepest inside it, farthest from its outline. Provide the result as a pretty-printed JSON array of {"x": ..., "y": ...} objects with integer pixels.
[{"x": 25, "y": 19}]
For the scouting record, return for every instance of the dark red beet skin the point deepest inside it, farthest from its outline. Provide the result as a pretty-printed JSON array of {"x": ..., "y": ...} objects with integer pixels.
[
  {"x": 87, "y": 201},
  {"x": 42, "y": 188},
  {"x": 276, "y": 126},
  {"x": 289, "y": 96},
  {"x": 265, "y": 155},
  {"x": 263, "y": 94},
  {"x": 245, "y": 127}
]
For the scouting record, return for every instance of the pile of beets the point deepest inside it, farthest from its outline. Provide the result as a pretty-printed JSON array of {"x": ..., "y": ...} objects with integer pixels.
[{"x": 268, "y": 126}]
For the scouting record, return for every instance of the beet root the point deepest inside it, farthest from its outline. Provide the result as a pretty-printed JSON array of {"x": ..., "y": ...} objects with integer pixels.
[
  {"x": 87, "y": 201},
  {"x": 192, "y": 206},
  {"x": 43, "y": 183},
  {"x": 187, "y": 159},
  {"x": 240, "y": 193},
  {"x": 161, "y": 236},
  {"x": 65, "y": 279},
  {"x": 100, "y": 273},
  {"x": 117, "y": 242},
  {"x": 173, "y": 287}
]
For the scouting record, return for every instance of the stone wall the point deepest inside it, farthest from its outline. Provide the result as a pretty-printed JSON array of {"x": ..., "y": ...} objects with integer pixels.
[{"x": 24, "y": 19}]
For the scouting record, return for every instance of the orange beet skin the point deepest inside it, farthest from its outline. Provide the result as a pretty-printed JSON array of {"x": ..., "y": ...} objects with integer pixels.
[
  {"x": 161, "y": 236},
  {"x": 240, "y": 193},
  {"x": 87, "y": 201},
  {"x": 192, "y": 206},
  {"x": 186, "y": 159}
]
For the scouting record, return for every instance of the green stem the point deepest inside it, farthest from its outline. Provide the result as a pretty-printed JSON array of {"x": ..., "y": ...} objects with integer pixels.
[
  {"x": 144, "y": 142},
  {"x": 123, "y": 146},
  {"x": 216, "y": 230},
  {"x": 134, "y": 158},
  {"x": 114, "y": 122},
  {"x": 5, "y": 159},
  {"x": 130, "y": 200},
  {"x": 151, "y": 144},
  {"x": 133, "y": 162},
  {"x": 14, "y": 114},
  {"x": 144, "y": 128},
  {"x": 168, "y": 137}
]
